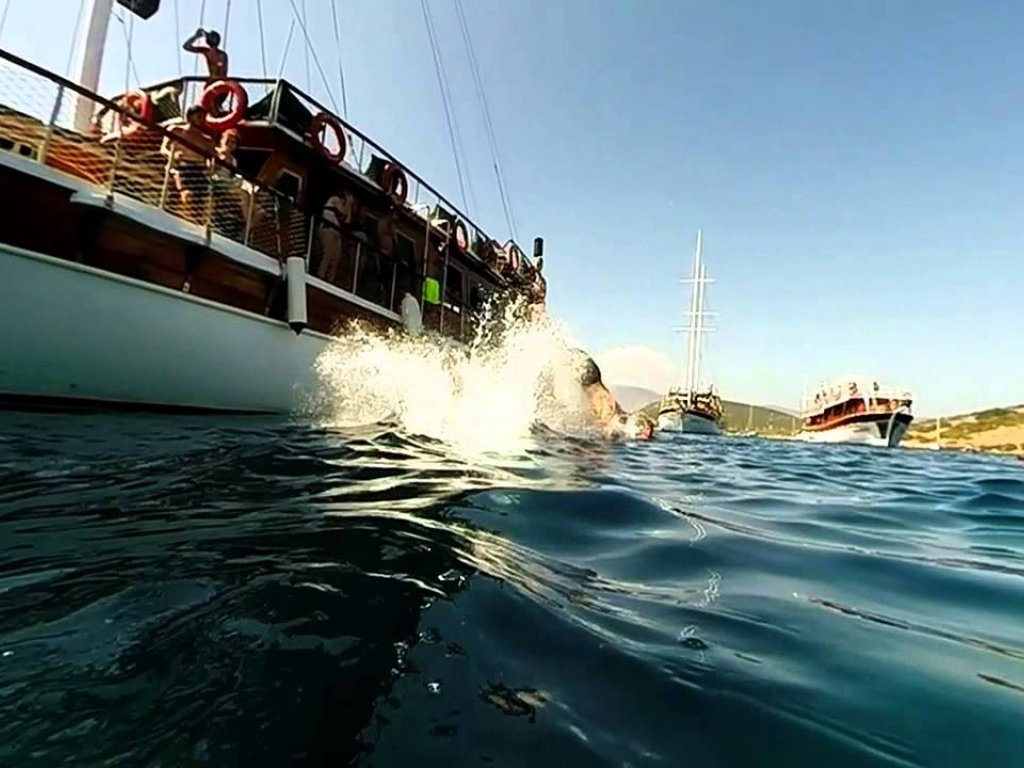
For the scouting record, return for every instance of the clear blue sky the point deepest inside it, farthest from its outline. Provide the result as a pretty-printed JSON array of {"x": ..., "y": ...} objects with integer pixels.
[{"x": 857, "y": 167}]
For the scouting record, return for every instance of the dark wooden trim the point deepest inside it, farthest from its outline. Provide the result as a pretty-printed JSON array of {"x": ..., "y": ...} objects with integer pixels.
[{"x": 52, "y": 403}]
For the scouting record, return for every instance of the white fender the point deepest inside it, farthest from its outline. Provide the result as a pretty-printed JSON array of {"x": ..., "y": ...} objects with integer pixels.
[
  {"x": 295, "y": 277},
  {"x": 412, "y": 317}
]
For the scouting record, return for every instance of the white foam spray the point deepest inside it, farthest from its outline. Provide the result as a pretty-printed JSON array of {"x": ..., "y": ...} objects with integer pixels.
[{"x": 483, "y": 397}]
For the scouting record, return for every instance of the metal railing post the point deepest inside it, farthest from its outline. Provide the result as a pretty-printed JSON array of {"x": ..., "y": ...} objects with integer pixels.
[
  {"x": 48, "y": 136},
  {"x": 355, "y": 268},
  {"x": 167, "y": 181},
  {"x": 309, "y": 243},
  {"x": 114, "y": 166},
  {"x": 394, "y": 283},
  {"x": 248, "y": 216}
]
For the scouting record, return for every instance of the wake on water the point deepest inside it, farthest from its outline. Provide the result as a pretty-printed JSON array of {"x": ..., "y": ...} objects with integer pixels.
[{"x": 516, "y": 375}]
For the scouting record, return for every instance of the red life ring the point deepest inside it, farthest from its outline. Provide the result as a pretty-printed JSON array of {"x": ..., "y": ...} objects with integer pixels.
[
  {"x": 212, "y": 97},
  {"x": 141, "y": 105},
  {"x": 461, "y": 236},
  {"x": 319, "y": 123},
  {"x": 394, "y": 182}
]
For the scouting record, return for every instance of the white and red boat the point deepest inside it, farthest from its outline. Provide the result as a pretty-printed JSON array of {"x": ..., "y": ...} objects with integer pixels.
[
  {"x": 854, "y": 410},
  {"x": 143, "y": 268}
]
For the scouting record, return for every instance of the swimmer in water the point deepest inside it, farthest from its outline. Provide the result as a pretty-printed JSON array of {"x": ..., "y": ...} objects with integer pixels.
[{"x": 605, "y": 410}]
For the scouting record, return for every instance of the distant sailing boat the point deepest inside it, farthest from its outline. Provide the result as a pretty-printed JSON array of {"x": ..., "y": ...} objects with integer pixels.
[{"x": 693, "y": 408}]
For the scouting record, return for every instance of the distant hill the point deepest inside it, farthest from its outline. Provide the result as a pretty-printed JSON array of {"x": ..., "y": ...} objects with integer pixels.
[
  {"x": 999, "y": 430},
  {"x": 741, "y": 417},
  {"x": 632, "y": 398}
]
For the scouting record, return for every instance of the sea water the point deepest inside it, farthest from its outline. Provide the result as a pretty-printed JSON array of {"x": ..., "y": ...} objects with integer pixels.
[{"x": 439, "y": 583}]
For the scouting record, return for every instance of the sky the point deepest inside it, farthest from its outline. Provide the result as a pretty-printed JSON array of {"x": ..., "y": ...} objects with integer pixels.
[{"x": 857, "y": 169}]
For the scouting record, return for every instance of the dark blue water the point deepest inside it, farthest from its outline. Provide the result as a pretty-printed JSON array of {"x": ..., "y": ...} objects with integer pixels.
[{"x": 182, "y": 592}]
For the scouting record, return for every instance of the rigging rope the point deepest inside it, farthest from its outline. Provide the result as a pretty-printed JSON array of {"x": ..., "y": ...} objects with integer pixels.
[
  {"x": 202, "y": 18},
  {"x": 439, "y": 71},
  {"x": 3, "y": 17},
  {"x": 492, "y": 140},
  {"x": 305, "y": 20},
  {"x": 129, "y": 35},
  {"x": 287, "y": 46},
  {"x": 177, "y": 36},
  {"x": 316, "y": 59},
  {"x": 227, "y": 21},
  {"x": 263, "y": 42},
  {"x": 341, "y": 70},
  {"x": 78, "y": 31}
]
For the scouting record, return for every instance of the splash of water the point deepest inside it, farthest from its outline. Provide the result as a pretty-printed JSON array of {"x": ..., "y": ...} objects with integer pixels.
[{"x": 488, "y": 396}]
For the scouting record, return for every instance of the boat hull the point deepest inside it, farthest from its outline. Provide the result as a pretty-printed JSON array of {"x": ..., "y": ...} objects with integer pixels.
[
  {"x": 73, "y": 334},
  {"x": 692, "y": 423},
  {"x": 885, "y": 432}
]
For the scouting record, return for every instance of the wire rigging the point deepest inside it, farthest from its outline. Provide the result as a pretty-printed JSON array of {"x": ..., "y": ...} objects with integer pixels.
[
  {"x": 177, "y": 36},
  {"x": 129, "y": 35},
  {"x": 316, "y": 59},
  {"x": 439, "y": 71},
  {"x": 305, "y": 22},
  {"x": 78, "y": 31},
  {"x": 202, "y": 19},
  {"x": 263, "y": 41},
  {"x": 3, "y": 17},
  {"x": 227, "y": 21},
  {"x": 341, "y": 69},
  {"x": 492, "y": 140}
]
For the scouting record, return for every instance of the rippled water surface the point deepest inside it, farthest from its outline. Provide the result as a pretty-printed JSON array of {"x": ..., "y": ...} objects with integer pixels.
[{"x": 261, "y": 593}]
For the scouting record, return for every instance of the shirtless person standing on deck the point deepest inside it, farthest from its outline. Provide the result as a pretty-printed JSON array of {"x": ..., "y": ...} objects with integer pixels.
[{"x": 216, "y": 59}]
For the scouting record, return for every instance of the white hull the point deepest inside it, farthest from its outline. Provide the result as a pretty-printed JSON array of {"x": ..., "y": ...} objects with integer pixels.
[
  {"x": 861, "y": 433},
  {"x": 688, "y": 423},
  {"x": 70, "y": 332}
]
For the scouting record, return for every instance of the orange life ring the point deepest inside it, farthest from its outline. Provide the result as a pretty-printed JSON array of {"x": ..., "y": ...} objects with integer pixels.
[
  {"x": 394, "y": 182},
  {"x": 461, "y": 236},
  {"x": 139, "y": 103},
  {"x": 317, "y": 124},
  {"x": 211, "y": 98}
]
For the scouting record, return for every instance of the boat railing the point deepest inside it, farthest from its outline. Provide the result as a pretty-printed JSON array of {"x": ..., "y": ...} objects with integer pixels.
[
  {"x": 142, "y": 162},
  {"x": 362, "y": 155}
]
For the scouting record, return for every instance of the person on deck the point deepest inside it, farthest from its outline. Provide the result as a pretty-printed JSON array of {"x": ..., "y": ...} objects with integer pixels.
[
  {"x": 537, "y": 293},
  {"x": 338, "y": 216},
  {"x": 216, "y": 59},
  {"x": 376, "y": 266},
  {"x": 188, "y": 159}
]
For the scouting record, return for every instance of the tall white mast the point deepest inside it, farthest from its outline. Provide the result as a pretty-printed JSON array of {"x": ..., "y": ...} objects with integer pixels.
[
  {"x": 89, "y": 57},
  {"x": 699, "y": 320},
  {"x": 691, "y": 326}
]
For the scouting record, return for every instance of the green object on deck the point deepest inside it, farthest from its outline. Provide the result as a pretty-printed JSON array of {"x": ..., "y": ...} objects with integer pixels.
[{"x": 431, "y": 291}]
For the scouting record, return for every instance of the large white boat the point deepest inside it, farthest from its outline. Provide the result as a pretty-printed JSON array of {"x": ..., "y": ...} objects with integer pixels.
[
  {"x": 693, "y": 407},
  {"x": 144, "y": 267},
  {"x": 856, "y": 410}
]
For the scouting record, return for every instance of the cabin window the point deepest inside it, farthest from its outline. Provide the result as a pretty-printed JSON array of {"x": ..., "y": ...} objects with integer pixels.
[
  {"x": 405, "y": 260},
  {"x": 453, "y": 295},
  {"x": 289, "y": 184},
  {"x": 479, "y": 293}
]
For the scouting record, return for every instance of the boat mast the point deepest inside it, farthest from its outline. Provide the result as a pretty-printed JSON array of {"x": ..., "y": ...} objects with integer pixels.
[
  {"x": 89, "y": 58},
  {"x": 691, "y": 326},
  {"x": 700, "y": 326}
]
